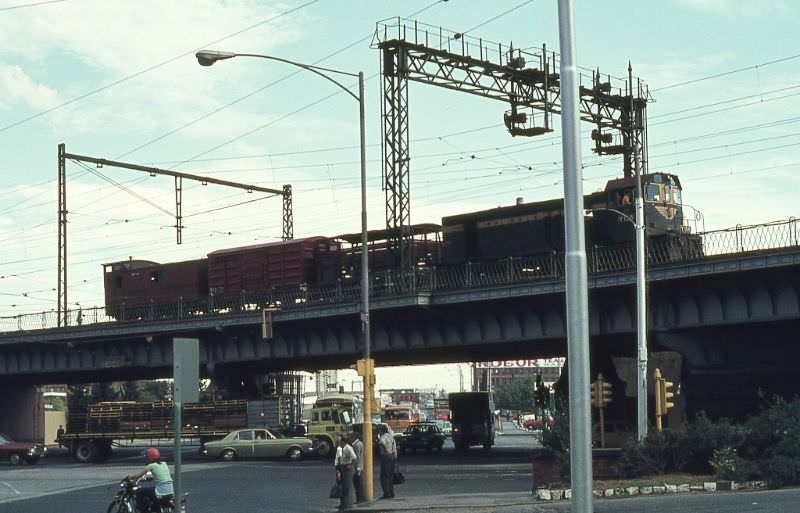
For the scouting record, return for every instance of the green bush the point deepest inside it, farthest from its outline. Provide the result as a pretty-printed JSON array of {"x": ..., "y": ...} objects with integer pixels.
[
  {"x": 556, "y": 438},
  {"x": 704, "y": 436},
  {"x": 659, "y": 453},
  {"x": 781, "y": 471},
  {"x": 766, "y": 447},
  {"x": 773, "y": 442}
]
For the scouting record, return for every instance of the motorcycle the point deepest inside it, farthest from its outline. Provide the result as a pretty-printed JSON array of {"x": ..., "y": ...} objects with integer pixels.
[{"x": 130, "y": 499}]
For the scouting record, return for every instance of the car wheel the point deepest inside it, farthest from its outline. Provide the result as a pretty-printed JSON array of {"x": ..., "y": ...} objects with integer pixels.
[
  {"x": 294, "y": 454},
  {"x": 228, "y": 455},
  {"x": 14, "y": 459}
]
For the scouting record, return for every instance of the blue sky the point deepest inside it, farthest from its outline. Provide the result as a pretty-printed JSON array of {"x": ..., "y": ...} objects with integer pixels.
[{"x": 117, "y": 79}]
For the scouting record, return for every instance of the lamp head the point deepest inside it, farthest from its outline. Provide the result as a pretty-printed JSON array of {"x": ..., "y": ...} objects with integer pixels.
[{"x": 209, "y": 57}]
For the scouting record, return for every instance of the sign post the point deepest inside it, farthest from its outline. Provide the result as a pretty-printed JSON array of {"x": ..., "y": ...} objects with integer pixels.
[{"x": 185, "y": 384}]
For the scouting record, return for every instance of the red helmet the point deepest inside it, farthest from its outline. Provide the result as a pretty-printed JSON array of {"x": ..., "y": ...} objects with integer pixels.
[{"x": 152, "y": 454}]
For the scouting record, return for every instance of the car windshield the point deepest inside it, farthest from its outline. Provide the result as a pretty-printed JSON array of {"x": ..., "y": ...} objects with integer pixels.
[{"x": 4, "y": 440}]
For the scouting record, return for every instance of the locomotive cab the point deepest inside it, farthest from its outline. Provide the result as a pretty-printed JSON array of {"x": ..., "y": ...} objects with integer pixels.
[{"x": 663, "y": 210}]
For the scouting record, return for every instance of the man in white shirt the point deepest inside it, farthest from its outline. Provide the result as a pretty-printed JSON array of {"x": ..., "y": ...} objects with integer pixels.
[
  {"x": 345, "y": 470},
  {"x": 388, "y": 449},
  {"x": 358, "y": 479}
]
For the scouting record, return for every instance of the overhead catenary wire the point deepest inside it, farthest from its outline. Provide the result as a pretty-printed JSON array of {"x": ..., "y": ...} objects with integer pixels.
[
  {"x": 32, "y": 4},
  {"x": 151, "y": 68},
  {"x": 707, "y": 135}
]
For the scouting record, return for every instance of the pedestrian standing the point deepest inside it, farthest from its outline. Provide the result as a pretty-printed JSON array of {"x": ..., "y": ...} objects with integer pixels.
[
  {"x": 345, "y": 470},
  {"x": 358, "y": 478},
  {"x": 60, "y": 436},
  {"x": 388, "y": 449}
]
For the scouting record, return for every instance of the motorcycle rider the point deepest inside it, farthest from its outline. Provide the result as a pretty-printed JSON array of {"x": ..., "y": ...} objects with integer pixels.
[{"x": 162, "y": 491}]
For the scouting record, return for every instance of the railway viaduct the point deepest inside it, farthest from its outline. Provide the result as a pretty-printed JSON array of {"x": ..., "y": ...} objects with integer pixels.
[{"x": 733, "y": 319}]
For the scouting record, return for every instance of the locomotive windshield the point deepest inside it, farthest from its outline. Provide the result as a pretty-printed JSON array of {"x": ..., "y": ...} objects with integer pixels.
[
  {"x": 652, "y": 193},
  {"x": 662, "y": 188}
]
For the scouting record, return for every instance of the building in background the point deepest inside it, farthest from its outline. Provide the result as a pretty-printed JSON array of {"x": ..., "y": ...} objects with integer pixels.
[
  {"x": 485, "y": 375},
  {"x": 326, "y": 382}
]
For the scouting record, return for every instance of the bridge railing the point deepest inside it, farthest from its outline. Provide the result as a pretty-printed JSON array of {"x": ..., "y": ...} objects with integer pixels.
[
  {"x": 760, "y": 237},
  {"x": 549, "y": 266}
]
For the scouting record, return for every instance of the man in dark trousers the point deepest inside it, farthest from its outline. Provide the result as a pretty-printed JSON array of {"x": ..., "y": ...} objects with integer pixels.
[
  {"x": 345, "y": 469},
  {"x": 388, "y": 449},
  {"x": 358, "y": 478},
  {"x": 60, "y": 436}
]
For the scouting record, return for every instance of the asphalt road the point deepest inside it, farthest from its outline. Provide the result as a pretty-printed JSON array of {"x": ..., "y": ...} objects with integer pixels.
[{"x": 57, "y": 485}]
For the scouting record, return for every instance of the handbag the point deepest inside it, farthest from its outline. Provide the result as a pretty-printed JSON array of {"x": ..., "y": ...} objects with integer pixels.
[
  {"x": 398, "y": 477},
  {"x": 336, "y": 491}
]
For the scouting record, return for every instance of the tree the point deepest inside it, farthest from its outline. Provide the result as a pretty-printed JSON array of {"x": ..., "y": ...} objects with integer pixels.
[
  {"x": 516, "y": 395},
  {"x": 157, "y": 390}
]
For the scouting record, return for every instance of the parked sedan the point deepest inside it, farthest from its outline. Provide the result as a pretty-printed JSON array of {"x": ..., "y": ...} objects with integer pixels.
[
  {"x": 422, "y": 435},
  {"x": 17, "y": 452},
  {"x": 258, "y": 443}
]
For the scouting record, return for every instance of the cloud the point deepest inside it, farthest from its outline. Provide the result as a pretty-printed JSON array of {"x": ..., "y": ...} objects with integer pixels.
[
  {"x": 737, "y": 7},
  {"x": 16, "y": 85},
  {"x": 118, "y": 40}
]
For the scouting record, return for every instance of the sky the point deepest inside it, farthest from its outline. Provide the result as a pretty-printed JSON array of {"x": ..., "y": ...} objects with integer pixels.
[{"x": 118, "y": 80}]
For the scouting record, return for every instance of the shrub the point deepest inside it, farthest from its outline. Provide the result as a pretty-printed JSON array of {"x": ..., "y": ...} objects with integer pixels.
[
  {"x": 659, "y": 453},
  {"x": 781, "y": 471},
  {"x": 556, "y": 437},
  {"x": 704, "y": 436},
  {"x": 773, "y": 442}
]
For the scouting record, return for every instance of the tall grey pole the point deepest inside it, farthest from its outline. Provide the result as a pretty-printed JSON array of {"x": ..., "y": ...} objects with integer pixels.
[
  {"x": 177, "y": 462},
  {"x": 576, "y": 274},
  {"x": 365, "y": 329},
  {"x": 364, "y": 235},
  {"x": 641, "y": 299}
]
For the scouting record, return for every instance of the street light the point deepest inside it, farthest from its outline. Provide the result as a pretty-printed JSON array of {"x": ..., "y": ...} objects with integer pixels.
[
  {"x": 641, "y": 315},
  {"x": 209, "y": 57}
]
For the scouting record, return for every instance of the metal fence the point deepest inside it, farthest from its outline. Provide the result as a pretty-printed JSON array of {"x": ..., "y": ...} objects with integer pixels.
[{"x": 550, "y": 266}]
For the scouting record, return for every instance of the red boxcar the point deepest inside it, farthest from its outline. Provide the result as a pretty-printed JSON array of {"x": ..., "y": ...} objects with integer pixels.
[
  {"x": 133, "y": 282},
  {"x": 266, "y": 266}
]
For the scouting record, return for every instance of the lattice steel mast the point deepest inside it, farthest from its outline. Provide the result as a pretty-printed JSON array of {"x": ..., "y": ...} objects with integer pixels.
[{"x": 432, "y": 55}]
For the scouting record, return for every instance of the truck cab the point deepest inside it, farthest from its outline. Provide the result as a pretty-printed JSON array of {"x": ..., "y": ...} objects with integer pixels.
[{"x": 327, "y": 422}]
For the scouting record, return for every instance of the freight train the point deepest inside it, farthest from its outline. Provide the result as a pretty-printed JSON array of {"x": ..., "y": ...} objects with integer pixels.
[{"x": 524, "y": 229}]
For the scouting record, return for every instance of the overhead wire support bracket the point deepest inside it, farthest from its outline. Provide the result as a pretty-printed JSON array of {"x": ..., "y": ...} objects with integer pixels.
[
  {"x": 522, "y": 78},
  {"x": 63, "y": 156}
]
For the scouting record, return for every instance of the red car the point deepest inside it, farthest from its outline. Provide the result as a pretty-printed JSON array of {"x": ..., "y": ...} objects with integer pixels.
[{"x": 17, "y": 452}]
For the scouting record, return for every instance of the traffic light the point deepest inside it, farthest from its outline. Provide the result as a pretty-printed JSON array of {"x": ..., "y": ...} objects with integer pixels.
[
  {"x": 664, "y": 394},
  {"x": 594, "y": 394},
  {"x": 600, "y": 392},
  {"x": 605, "y": 392},
  {"x": 667, "y": 395}
]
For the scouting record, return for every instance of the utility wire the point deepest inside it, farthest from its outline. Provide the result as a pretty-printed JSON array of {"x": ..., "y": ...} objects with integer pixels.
[
  {"x": 151, "y": 68},
  {"x": 523, "y": 4},
  {"x": 726, "y": 73},
  {"x": 252, "y": 93},
  {"x": 21, "y": 6}
]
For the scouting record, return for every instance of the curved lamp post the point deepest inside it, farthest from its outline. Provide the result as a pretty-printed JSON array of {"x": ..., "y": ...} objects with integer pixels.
[
  {"x": 641, "y": 316},
  {"x": 208, "y": 58}
]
